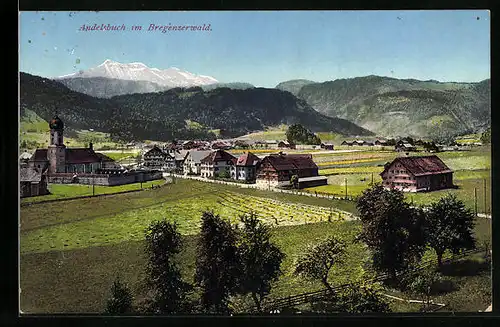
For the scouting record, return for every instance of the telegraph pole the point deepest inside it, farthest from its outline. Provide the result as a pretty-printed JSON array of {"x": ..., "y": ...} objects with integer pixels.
[
  {"x": 485, "y": 208},
  {"x": 475, "y": 201},
  {"x": 346, "y": 188}
]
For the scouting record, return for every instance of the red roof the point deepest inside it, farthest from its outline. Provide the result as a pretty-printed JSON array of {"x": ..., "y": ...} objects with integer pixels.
[
  {"x": 81, "y": 155},
  {"x": 39, "y": 155},
  {"x": 73, "y": 156},
  {"x": 247, "y": 159},
  {"x": 219, "y": 155},
  {"x": 291, "y": 161},
  {"x": 423, "y": 165}
]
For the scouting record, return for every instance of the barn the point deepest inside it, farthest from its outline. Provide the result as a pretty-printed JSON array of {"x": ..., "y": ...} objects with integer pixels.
[{"x": 417, "y": 174}]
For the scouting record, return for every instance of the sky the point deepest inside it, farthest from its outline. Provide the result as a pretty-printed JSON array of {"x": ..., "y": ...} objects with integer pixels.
[{"x": 265, "y": 48}]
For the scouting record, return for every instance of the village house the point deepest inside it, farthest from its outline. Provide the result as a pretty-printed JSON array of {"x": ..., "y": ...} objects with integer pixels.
[
  {"x": 286, "y": 144},
  {"x": 328, "y": 146},
  {"x": 276, "y": 170},
  {"x": 380, "y": 142},
  {"x": 33, "y": 182},
  {"x": 157, "y": 159},
  {"x": 180, "y": 156},
  {"x": 217, "y": 163},
  {"x": 403, "y": 146},
  {"x": 192, "y": 162},
  {"x": 246, "y": 167},
  {"x": 416, "y": 174},
  {"x": 221, "y": 145},
  {"x": 348, "y": 143}
]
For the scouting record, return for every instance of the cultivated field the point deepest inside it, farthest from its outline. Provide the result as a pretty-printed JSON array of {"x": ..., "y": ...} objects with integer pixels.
[{"x": 71, "y": 251}]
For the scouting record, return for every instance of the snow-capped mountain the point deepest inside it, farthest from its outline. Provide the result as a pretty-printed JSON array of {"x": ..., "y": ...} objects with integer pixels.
[{"x": 136, "y": 71}]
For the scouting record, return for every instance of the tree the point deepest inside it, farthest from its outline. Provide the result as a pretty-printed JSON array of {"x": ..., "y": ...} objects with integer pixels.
[
  {"x": 393, "y": 230},
  {"x": 260, "y": 259},
  {"x": 486, "y": 136},
  {"x": 294, "y": 181},
  {"x": 217, "y": 263},
  {"x": 317, "y": 261},
  {"x": 357, "y": 298},
  {"x": 299, "y": 134},
  {"x": 421, "y": 283},
  {"x": 169, "y": 291},
  {"x": 224, "y": 174},
  {"x": 121, "y": 298},
  {"x": 449, "y": 226}
]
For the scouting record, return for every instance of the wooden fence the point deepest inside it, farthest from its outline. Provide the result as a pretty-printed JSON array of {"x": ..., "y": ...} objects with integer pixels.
[{"x": 291, "y": 301}]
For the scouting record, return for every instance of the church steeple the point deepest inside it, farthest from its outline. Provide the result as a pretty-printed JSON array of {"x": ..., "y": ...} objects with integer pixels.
[
  {"x": 56, "y": 153},
  {"x": 56, "y": 131}
]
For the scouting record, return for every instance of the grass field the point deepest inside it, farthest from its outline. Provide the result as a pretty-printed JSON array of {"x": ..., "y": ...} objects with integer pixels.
[
  {"x": 59, "y": 191},
  {"x": 105, "y": 221},
  {"x": 71, "y": 252}
]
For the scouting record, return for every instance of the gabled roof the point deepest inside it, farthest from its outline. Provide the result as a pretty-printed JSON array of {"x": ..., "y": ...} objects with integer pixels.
[
  {"x": 181, "y": 154},
  {"x": 155, "y": 148},
  {"x": 39, "y": 155},
  {"x": 28, "y": 174},
  {"x": 196, "y": 156},
  {"x": 291, "y": 161},
  {"x": 219, "y": 155},
  {"x": 25, "y": 156},
  {"x": 247, "y": 159},
  {"x": 81, "y": 155},
  {"x": 423, "y": 165}
]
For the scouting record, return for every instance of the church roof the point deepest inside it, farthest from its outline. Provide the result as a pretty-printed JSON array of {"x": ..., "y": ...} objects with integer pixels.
[
  {"x": 81, "y": 156},
  {"x": 39, "y": 155}
]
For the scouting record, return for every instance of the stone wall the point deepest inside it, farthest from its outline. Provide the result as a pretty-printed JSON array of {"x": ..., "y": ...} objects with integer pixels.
[{"x": 104, "y": 179}]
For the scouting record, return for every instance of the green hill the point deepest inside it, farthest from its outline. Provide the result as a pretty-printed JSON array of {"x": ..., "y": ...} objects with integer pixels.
[
  {"x": 394, "y": 107},
  {"x": 164, "y": 115}
]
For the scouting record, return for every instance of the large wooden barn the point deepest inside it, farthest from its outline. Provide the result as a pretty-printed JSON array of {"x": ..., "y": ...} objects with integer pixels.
[
  {"x": 276, "y": 170},
  {"x": 417, "y": 174}
]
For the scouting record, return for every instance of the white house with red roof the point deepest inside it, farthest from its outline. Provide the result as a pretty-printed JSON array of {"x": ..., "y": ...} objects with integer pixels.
[
  {"x": 216, "y": 163},
  {"x": 246, "y": 167}
]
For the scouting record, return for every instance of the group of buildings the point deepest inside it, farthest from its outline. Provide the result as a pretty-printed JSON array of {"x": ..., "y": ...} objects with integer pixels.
[
  {"x": 59, "y": 164},
  {"x": 274, "y": 170}
]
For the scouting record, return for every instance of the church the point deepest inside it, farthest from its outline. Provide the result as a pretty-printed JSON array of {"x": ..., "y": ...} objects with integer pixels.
[{"x": 57, "y": 158}]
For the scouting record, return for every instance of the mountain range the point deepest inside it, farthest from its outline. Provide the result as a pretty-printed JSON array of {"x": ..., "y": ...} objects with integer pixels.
[
  {"x": 137, "y": 71},
  {"x": 164, "y": 115},
  {"x": 389, "y": 107},
  {"x": 398, "y": 107}
]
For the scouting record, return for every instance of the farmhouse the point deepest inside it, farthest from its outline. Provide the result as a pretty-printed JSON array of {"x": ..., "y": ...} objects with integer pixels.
[
  {"x": 285, "y": 144},
  {"x": 380, "y": 142},
  {"x": 217, "y": 163},
  {"x": 404, "y": 147},
  {"x": 192, "y": 163},
  {"x": 349, "y": 143},
  {"x": 32, "y": 182},
  {"x": 245, "y": 167},
  {"x": 416, "y": 174},
  {"x": 277, "y": 170},
  {"x": 328, "y": 146},
  {"x": 157, "y": 159}
]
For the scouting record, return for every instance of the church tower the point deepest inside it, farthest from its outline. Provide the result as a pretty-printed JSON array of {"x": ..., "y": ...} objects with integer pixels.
[{"x": 56, "y": 153}]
